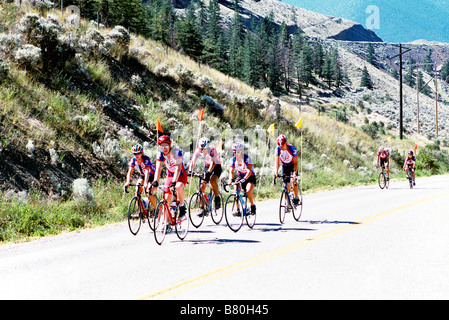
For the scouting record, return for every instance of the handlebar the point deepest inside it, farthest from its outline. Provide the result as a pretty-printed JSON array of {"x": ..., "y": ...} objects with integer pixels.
[
  {"x": 138, "y": 185},
  {"x": 225, "y": 185}
]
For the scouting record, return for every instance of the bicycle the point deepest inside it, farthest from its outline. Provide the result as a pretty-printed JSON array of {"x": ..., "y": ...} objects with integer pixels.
[
  {"x": 138, "y": 211},
  {"x": 167, "y": 216},
  {"x": 382, "y": 179},
  {"x": 410, "y": 176},
  {"x": 201, "y": 205},
  {"x": 286, "y": 203},
  {"x": 236, "y": 208}
]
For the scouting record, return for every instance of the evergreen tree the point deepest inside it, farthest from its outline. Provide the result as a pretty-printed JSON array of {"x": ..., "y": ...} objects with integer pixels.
[
  {"x": 188, "y": 35},
  {"x": 445, "y": 71},
  {"x": 420, "y": 83},
  {"x": 318, "y": 61},
  {"x": 395, "y": 74},
  {"x": 328, "y": 70},
  {"x": 428, "y": 62},
  {"x": 236, "y": 37},
  {"x": 212, "y": 53},
  {"x": 366, "y": 79},
  {"x": 337, "y": 69},
  {"x": 371, "y": 55},
  {"x": 409, "y": 77}
]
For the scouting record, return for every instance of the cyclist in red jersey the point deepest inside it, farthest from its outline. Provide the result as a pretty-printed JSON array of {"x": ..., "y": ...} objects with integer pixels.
[
  {"x": 176, "y": 173},
  {"x": 383, "y": 157}
]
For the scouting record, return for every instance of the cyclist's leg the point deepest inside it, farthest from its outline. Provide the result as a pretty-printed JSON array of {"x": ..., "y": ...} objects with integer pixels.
[
  {"x": 153, "y": 190},
  {"x": 140, "y": 181},
  {"x": 249, "y": 186}
]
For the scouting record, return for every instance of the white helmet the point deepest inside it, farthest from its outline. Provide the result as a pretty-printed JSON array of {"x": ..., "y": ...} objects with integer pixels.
[
  {"x": 381, "y": 149},
  {"x": 237, "y": 146},
  {"x": 204, "y": 142}
]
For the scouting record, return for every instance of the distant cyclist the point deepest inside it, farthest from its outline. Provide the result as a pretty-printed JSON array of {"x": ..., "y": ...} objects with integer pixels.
[
  {"x": 212, "y": 166},
  {"x": 383, "y": 158},
  {"x": 287, "y": 155},
  {"x": 410, "y": 161},
  {"x": 176, "y": 173},
  {"x": 145, "y": 169},
  {"x": 245, "y": 174}
]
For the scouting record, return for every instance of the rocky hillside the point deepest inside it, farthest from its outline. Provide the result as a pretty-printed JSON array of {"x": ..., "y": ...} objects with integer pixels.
[{"x": 312, "y": 23}]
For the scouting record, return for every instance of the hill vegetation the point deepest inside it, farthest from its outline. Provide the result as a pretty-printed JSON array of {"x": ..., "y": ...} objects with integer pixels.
[{"x": 73, "y": 100}]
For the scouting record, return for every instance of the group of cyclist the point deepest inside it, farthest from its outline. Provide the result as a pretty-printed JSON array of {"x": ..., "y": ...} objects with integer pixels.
[
  {"x": 240, "y": 166},
  {"x": 383, "y": 160}
]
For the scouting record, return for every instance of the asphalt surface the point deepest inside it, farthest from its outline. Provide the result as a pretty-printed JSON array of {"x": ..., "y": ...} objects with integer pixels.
[{"x": 352, "y": 243}]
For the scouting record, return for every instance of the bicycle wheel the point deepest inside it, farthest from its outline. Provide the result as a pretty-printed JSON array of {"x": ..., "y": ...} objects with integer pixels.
[
  {"x": 182, "y": 226},
  {"x": 160, "y": 223},
  {"x": 217, "y": 213},
  {"x": 250, "y": 217},
  {"x": 196, "y": 209},
  {"x": 298, "y": 208},
  {"x": 151, "y": 213},
  {"x": 410, "y": 178},
  {"x": 283, "y": 206},
  {"x": 134, "y": 215},
  {"x": 233, "y": 212},
  {"x": 382, "y": 180}
]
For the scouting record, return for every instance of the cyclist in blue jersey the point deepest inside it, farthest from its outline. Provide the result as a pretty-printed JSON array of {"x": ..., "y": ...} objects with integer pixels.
[
  {"x": 243, "y": 164},
  {"x": 145, "y": 168}
]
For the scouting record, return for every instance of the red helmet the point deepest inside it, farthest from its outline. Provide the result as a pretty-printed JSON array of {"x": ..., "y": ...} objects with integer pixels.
[
  {"x": 163, "y": 139},
  {"x": 281, "y": 140}
]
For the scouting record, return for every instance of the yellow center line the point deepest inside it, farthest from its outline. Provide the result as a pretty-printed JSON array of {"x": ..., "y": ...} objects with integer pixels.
[{"x": 246, "y": 263}]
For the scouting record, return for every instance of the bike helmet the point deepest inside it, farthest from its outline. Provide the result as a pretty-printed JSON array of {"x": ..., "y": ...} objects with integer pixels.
[
  {"x": 410, "y": 152},
  {"x": 163, "y": 139},
  {"x": 137, "y": 149},
  {"x": 281, "y": 139},
  {"x": 237, "y": 146},
  {"x": 204, "y": 143},
  {"x": 381, "y": 149}
]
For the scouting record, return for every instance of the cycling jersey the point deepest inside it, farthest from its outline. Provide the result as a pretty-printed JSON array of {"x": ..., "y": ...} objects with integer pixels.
[
  {"x": 242, "y": 168},
  {"x": 410, "y": 161},
  {"x": 383, "y": 155},
  {"x": 172, "y": 160},
  {"x": 146, "y": 165},
  {"x": 210, "y": 156},
  {"x": 288, "y": 155}
]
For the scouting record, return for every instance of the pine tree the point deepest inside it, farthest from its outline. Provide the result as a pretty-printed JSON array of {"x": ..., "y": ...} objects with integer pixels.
[
  {"x": 328, "y": 71},
  {"x": 236, "y": 37},
  {"x": 212, "y": 53},
  {"x": 366, "y": 79},
  {"x": 409, "y": 77},
  {"x": 318, "y": 59},
  {"x": 337, "y": 69},
  {"x": 428, "y": 62},
  {"x": 395, "y": 74},
  {"x": 371, "y": 55},
  {"x": 188, "y": 35},
  {"x": 420, "y": 83},
  {"x": 445, "y": 71}
]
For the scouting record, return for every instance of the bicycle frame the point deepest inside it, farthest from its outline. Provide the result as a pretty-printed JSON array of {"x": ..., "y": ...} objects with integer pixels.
[
  {"x": 138, "y": 195},
  {"x": 171, "y": 220},
  {"x": 238, "y": 190}
]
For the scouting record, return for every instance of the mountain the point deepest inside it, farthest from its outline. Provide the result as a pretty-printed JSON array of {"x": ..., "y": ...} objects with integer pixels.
[
  {"x": 399, "y": 21},
  {"x": 312, "y": 23}
]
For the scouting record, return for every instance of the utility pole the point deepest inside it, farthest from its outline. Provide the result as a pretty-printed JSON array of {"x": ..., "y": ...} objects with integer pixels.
[
  {"x": 401, "y": 122},
  {"x": 436, "y": 103}
]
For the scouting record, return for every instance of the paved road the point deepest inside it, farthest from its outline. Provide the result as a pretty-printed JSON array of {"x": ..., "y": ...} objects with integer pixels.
[{"x": 353, "y": 243}]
